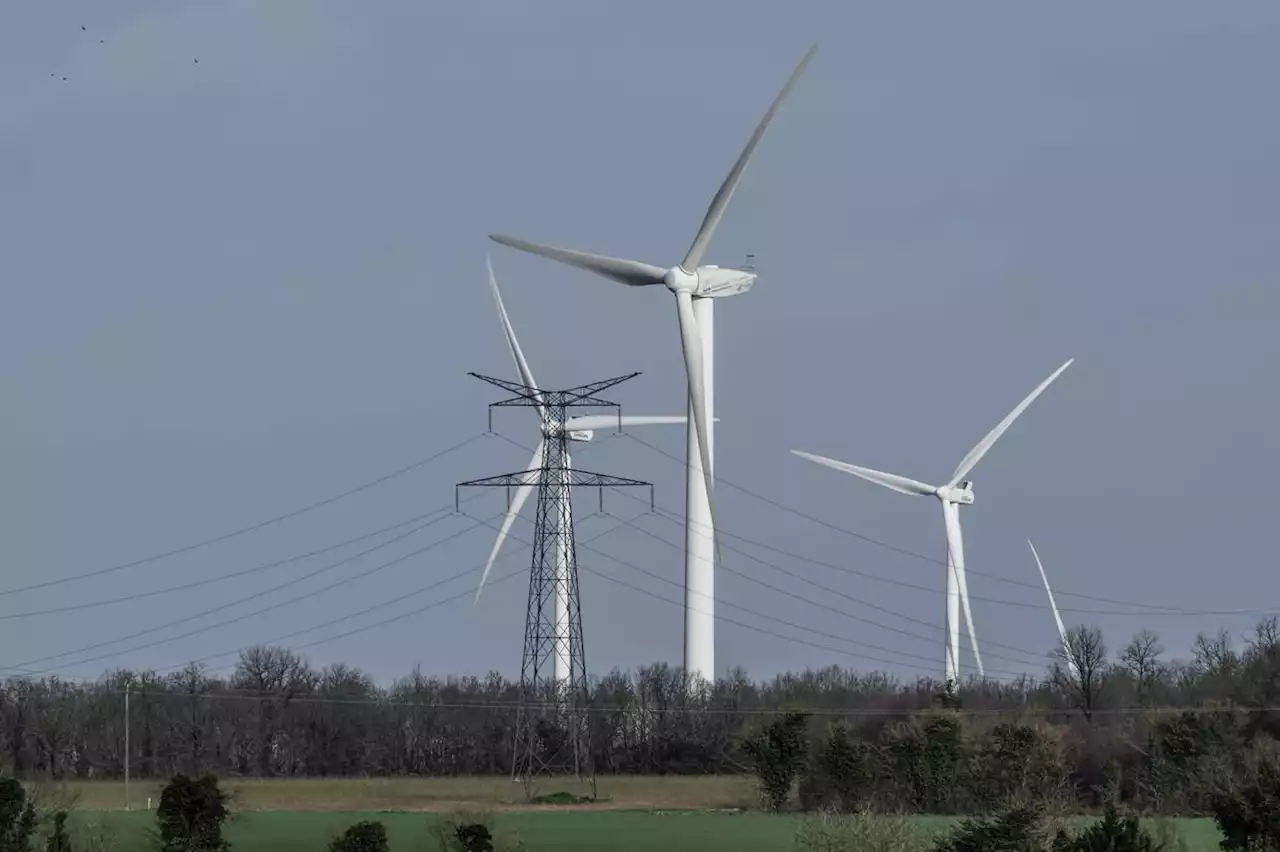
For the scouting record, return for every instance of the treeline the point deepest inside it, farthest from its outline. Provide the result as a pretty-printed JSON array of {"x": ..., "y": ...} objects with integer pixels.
[{"x": 1128, "y": 719}]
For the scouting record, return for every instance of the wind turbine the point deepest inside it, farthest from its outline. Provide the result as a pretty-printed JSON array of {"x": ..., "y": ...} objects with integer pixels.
[
  {"x": 695, "y": 286},
  {"x": 1067, "y": 653},
  {"x": 957, "y": 492},
  {"x": 580, "y": 429}
]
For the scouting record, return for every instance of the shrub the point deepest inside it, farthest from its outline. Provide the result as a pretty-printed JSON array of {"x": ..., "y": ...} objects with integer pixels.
[
  {"x": 841, "y": 774},
  {"x": 861, "y": 831},
  {"x": 365, "y": 836},
  {"x": 1246, "y": 806},
  {"x": 927, "y": 764},
  {"x": 58, "y": 840},
  {"x": 1019, "y": 764},
  {"x": 1020, "y": 829},
  {"x": 778, "y": 752},
  {"x": 191, "y": 814},
  {"x": 472, "y": 831},
  {"x": 1112, "y": 833},
  {"x": 561, "y": 797},
  {"x": 17, "y": 817}
]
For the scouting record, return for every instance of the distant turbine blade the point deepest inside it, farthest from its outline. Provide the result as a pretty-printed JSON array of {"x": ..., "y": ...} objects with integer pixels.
[
  {"x": 633, "y": 273},
  {"x": 968, "y": 618},
  {"x": 691, "y": 342},
  {"x": 900, "y": 484},
  {"x": 517, "y": 503},
  {"x": 1062, "y": 629},
  {"x": 955, "y": 554},
  {"x": 721, "y": 200},
  {"x": 526, "y": 375},
  {"x": 975, "y": 455},
  {"x": 606, "y": 421}
]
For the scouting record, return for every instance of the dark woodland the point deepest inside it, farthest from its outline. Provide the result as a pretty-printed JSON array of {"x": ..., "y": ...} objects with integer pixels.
[{"x": 1156, "y": 733}]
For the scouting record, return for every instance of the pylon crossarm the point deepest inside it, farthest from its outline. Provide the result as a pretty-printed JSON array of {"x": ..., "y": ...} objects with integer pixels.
[
  {"x": 589, "y": 479},
  {"x": 586, "y": 394},
  {"x": 506, "y": 480},
  {"x": 525, "y": 395}
]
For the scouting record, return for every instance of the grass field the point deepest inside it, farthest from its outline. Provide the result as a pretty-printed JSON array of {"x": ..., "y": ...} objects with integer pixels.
[
  {"x": 671, "y": 814},
  {"x": 683, "y": 792}
]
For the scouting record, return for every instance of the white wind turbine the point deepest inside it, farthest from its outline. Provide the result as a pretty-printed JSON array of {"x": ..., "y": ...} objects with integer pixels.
[
  {"x": 956, "y": 493},
  {"x": 694, "y": 286},
  {"x": 1067, "y": 653},
  {"x": 579, "y": 429}
]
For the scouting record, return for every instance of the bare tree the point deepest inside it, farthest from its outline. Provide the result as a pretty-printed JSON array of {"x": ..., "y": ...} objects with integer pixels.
[
  {"x": 1142, "y": 658},
  {"x": 1215, "y": 664},
  {"x": 1259, "y": 675},
  {"x": 1214, "y": 656},
  {"x": 275, "y": 676},
  {"x": 192, "y": 683},
  {"x": 1081, "y": 669}
]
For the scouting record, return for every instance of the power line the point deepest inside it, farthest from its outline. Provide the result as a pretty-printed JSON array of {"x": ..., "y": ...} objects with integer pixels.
[
  {"x": 707, "y": 710},
  {"x": 664, "y": 513},
  {"x": 792, "y": 624},
  {"x": 1146, "y": 609},
  {"x": 755, "y": 628},
  {"x": 838, "y": 592},
  {"x": 668, "y": 515},
  {"x": 509, "y": 575},
  {"x": 347, "y": 617},
  {"x": 224, "y": 577},
  {"x": 246, "y": 529},
  {"x": 251, "y": 597},
  {"x": 718, "y": 617},
  {"x": 383, "y": 605}
]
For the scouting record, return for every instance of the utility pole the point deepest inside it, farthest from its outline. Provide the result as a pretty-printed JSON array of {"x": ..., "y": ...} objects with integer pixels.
[
  {"x": 127, "y": 685},
  {"x": 552, "y": 725}
]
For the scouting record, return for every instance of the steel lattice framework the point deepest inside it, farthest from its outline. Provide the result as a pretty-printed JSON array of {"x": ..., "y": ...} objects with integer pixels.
[{"x": 552, "y": 722}]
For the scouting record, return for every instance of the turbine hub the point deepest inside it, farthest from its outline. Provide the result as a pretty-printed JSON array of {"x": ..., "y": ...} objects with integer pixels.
[
  {"x": 552, "y": 428},
  {"x": 679, "y": 281}
]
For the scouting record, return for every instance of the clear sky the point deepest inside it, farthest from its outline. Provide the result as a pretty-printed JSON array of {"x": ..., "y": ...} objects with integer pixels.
[{"x": 242, "y": 256}]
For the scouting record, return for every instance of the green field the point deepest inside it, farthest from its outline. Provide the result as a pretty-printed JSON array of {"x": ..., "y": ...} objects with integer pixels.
[{"x": 672, "y": 814}]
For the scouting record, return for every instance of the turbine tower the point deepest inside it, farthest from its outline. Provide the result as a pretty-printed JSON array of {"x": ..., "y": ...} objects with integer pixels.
[
  {"x": 578, "y": 429},
  {"x": 1067, "y": 654},
  {"x": 695, "y": 286},
  {"x": 956, "y": 493},
  {"x": 551, "y": 716}
]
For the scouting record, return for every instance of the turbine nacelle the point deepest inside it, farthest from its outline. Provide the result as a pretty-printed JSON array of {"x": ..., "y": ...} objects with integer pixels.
[
  {"x": 709, "y": 282},
  {"x": 961, "y": 493},
  {"x": 552, "y": 430}
]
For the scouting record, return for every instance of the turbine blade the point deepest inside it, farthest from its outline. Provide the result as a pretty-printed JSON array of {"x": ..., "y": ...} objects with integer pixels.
[
  {"x": 691, "y": 342},
  {"x": 900, "y": 484},
  {"x": 975, "y": 455},
  {"x": 605, "y": 421},
  {"x": 720, "y": 202},
  {"x": 955, "y": 552},
  {"x": 633, "y": 273},
  {"x": 526, "y": 375},
  {"x": 517, "y": 503},
  {"x": 1062, "y": 629}
]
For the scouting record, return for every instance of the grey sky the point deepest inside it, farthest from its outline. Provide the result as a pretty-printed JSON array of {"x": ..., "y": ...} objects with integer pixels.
[{"x": 236, "y": 286}]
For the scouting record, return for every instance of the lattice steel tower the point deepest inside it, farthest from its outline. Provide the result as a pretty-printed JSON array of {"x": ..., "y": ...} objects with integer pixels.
[{"x": 552, "y": 723}]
